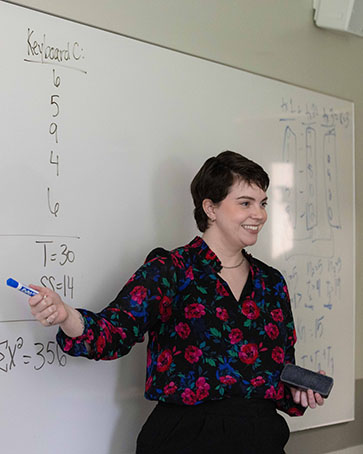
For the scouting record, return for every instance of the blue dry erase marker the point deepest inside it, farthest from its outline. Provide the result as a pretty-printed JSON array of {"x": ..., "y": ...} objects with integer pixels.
[{"x": 22, "y": 288}]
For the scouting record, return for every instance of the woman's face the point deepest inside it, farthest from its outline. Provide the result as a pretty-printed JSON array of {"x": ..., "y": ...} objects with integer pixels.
[{"x": 241, "y": 215}]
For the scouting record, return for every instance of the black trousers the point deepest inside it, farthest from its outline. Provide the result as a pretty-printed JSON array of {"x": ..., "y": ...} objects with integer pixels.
[{"x": 229, "y": 426}]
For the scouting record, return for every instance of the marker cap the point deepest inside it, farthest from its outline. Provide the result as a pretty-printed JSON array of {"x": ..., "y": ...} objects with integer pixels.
[{"x": 12, "y": 283}]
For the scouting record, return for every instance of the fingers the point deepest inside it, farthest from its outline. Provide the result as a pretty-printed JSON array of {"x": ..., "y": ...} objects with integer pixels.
[
  {"x": 296, "y": 395},
  {"x": 50, "y": 319},
  {"x": 310, "y": 398},
  {"x": 314, "y": 398},
  {"x": 307, "y": 398},
  {"x": 43, "y": 292},
  {"x": 36, "y": 287},
  {"x": 43, "y": 306},
  {"x": 319, "y": 399}
]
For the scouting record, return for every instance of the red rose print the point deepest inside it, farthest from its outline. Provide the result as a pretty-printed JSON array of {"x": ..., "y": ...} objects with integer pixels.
[
  {"x": 294, "y": 338},
  {"x": 100, "y": 344},
  {"x": 272, "y": 331},
  {"x": 270, "y": 393},
  {"x": 294, "y": 411},
  {"x": 222, "y": 314},
  {"x": 90, "y": 335},
  {"x": 278, "y": 355},
  {"x": 210, "y": 255},
  {"x": 138, "y": 294},
  {"x": 203, "y": 393},
  {"x": 182, "y": 330},
  {"x": 189, "y": 397},
  {"x": 122, "y": 333},
  {"x": 248, "y": 353},
  {"x": 164, "y": 360},
  {"x": 201, "y": 382},
  {"x": 106, "y": 328},
  {"x": 165, "y": 308},
  {"x": 258, "y": 381},
  {"x": 235, "y": 336},
  {"x": 192, "y": 354},
  {"x": 130, "y": 315},
  {"x": 194, "y": 310},
  {"x": 250, "y": 310},
  {"x": 189, "y": 273},
  {"x": 277, "y": 315},
  {"x": 202, "y": 388},
  {"x": 197, "y": 243},
  {"x": 176, "y": 260},
  {"x": 115, "y": 330},
  {"x": 148, "y": 358},
  {"x": 220, "y": 289},
  {"x": 68, "y": 345},
  {"x": 148, "y": 383},
  {"x": 227, "y": 380},
  {"x": 280, "y": 391},
  {"x": 170, "y": 388}
]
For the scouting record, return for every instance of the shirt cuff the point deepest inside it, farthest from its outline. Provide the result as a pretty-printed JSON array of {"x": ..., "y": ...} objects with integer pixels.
[{"x": 75, "y": 346}]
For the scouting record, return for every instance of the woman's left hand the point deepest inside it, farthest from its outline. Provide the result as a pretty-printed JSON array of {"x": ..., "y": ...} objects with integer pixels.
[{"x": 307, "y": 398}]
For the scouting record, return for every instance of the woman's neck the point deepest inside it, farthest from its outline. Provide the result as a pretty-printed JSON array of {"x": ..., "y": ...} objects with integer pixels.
[{"x": 228, "y": 254}]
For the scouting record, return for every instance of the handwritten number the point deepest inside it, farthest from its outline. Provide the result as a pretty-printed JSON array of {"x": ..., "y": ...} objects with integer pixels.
[
  {"x": 54, "y": 210},
  {"x": 54, "y": 103},
  {"x": 51, "y": 352},
  {"x": 61, "y": 357},
  {"x": 54, "y": 161},
  {"x": 69, "y": 285},
  {"x": 53, "y": 130},
  {"x": 56, "y": 79},
  {"x": 39, "y": 353},
  {"x": 69, "y": 256}
]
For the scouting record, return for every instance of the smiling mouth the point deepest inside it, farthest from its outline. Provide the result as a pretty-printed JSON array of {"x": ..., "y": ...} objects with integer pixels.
[{"x": 251, "y": 228}]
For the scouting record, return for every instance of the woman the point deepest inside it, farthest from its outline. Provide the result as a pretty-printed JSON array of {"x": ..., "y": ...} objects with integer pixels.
[{"x": 219, "y": 322}]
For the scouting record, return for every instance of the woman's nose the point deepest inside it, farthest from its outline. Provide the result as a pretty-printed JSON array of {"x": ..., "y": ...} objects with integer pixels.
[{"x": 258, "y": 212}]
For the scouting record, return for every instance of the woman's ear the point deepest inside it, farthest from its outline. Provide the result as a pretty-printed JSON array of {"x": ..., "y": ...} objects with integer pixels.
[{"x": 209, "y": 209}]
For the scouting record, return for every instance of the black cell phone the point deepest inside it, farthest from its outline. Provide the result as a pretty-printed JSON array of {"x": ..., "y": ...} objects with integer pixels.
[{"x": 302, "y": 378}]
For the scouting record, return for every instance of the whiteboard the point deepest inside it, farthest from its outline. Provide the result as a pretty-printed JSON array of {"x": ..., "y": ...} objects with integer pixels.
[{"x": 101, "y": 136}]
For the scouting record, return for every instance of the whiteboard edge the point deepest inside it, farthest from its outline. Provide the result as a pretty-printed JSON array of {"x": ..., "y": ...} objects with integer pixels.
[
  {"x": 228, "y": 65},
  {"x": 326, "y": 424},
  {"x": 354, "y": 258}
]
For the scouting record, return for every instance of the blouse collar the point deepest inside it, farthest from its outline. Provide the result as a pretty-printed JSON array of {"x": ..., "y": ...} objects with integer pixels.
[{"x": 209, "y": 257}]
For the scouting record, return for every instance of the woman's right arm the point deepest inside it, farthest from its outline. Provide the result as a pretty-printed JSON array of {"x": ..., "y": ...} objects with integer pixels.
[{"x": 111, "y": 333}]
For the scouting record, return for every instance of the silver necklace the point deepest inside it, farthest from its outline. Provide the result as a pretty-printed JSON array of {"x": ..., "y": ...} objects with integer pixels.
[{"x": 234, "y": 266}]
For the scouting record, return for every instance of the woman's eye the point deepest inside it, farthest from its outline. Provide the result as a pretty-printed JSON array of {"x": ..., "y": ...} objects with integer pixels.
[{"x": 264, "y": 204}]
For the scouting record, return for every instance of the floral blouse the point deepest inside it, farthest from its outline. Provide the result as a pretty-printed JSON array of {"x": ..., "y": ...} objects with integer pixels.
[{"x": 203, "y": 343}]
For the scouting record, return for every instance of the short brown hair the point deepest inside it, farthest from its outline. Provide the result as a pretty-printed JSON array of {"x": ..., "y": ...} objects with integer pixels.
[{"x": 217, "y": 175}]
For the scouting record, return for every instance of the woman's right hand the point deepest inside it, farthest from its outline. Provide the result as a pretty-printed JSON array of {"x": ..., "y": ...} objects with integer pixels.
[
  {"x": 47, "y": 306},
  {"x": 49, "y": 309}
]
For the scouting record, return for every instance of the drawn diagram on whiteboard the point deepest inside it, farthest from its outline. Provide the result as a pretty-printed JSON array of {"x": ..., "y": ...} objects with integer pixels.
[
  {"x": 311, "y": 200},
  {"x": 308, "y": 218}
]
